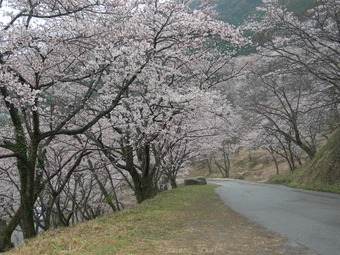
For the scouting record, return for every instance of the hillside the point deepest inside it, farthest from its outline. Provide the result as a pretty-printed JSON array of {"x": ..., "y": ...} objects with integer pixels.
[
  {"x": 236, "y": 11},
  {"x": 320, "y": 173},
  {"x": 325, "y": 167}
]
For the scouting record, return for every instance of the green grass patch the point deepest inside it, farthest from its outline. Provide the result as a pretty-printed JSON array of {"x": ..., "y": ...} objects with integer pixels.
[
  {"x": 333, "y": 188},
  {"x": 185, "y": 221},
  {"x": 135, "y": 231},
  {"x": 292, "y": 179},
  {"x": 286, "y": 178}
]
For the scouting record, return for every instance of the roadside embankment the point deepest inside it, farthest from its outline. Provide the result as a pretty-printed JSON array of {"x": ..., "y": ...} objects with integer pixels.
[
  {"x": 322, "y": 173},
  {"x": 187, "y": 220}
]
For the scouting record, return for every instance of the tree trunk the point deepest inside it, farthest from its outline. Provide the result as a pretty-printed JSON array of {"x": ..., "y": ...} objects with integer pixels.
[
  {"x": 226, "y": 164},
  {"x": 27, "y": 192},
  {"x": 173, "y": 183},
  {"x": 47, "y": 219},
  {"x": 6, "y": 233},
  {"x": 30, "y": 188},
  {"x": 145, "y": 185},
  {"x": 271, "y": 151},
  {"x": 26, "y": 162},
  {"x": 144, "y": 188},
  {"x": 209, "y": 165},
  {"x": 108, "y": 198},
  {"x": 309, "y": 150},
  {"x": 291, "y": 156},
  {"x": 225, "y": 168},
  {"x": 27, "y": 217}
]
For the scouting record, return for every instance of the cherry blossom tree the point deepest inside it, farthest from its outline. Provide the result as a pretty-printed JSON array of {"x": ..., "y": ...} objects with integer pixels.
[
  {"x": 184, "y": 63},
  {"x": 293, "y": 92},
  {"x": 155, "y": 139},
  {"x": 38, "y": 62},
  {"x": 290, "y": 104},
  {"x": 65, "y": 67},
  {"x": 308, "y": 39}
]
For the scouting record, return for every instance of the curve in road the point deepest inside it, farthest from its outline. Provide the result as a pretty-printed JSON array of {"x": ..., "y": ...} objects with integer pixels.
[{"x": 309, "y": 218}]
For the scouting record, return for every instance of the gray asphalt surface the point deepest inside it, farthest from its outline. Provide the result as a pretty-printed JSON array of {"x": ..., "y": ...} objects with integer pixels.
[{"x": 309, "y": 218}]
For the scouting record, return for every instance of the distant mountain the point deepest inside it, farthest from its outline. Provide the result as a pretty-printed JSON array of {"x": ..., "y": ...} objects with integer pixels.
[{"x": 236, "y": 11}]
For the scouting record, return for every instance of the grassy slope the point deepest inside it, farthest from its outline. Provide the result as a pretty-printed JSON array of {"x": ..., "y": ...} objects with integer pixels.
[
  {"x": 187, "y": 220},
  {"x": 321, "y": 173}
]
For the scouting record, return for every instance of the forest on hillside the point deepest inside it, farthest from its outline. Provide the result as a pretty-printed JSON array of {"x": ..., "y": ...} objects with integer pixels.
[
  {"x": 104, "y": 102},
  {"x": 238, "y": 11}
]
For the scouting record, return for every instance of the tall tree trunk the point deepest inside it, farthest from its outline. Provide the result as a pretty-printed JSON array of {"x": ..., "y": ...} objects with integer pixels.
[
  {"x": 26, "y": 162},
  {"x": 28, "y": 194}
]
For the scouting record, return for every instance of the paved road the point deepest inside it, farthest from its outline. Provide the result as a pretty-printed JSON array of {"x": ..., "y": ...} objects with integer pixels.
[{"x": 309, "y": 218}]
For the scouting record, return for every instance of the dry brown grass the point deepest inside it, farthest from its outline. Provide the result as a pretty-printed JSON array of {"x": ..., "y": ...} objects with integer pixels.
[
  {"x": 256, "y": 165},
  {"x": 188, "y": 220}
]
